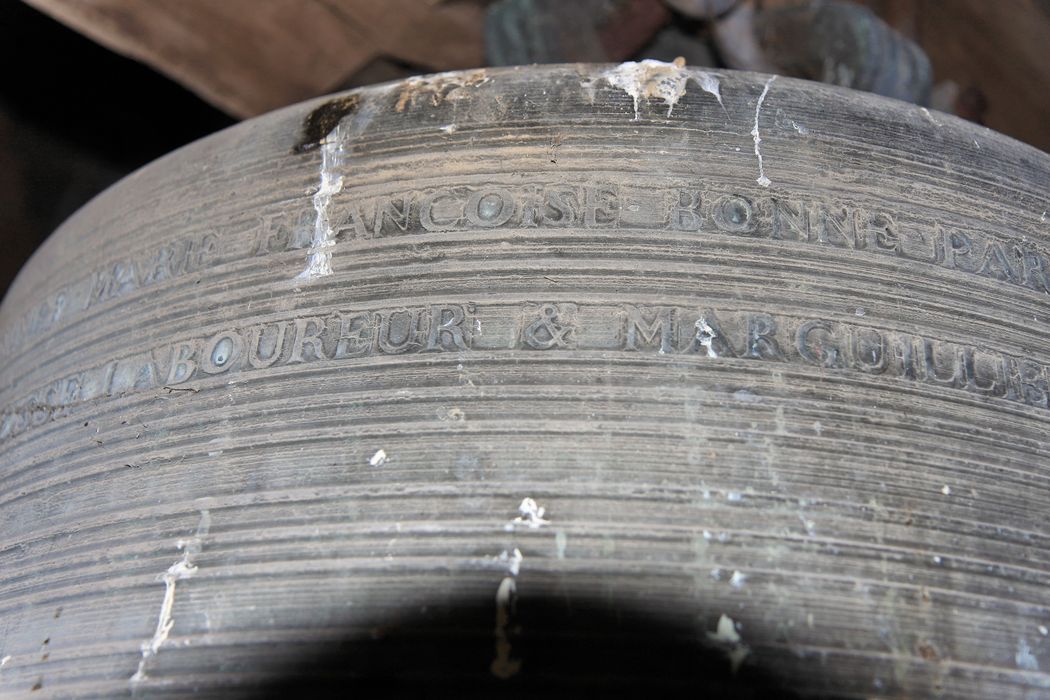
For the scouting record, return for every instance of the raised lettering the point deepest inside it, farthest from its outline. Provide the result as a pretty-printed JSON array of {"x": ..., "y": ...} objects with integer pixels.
[
  {"x": 264, "y": 345},
  {"x": 816, "y": 344},
  {"x": 221, "y": 352},
  {"x": 399, "y": 331},
  {"x": 356, "y": 332},
  {"x": 439, "y": 203},
  {"x": 641, "y": 332},
  {"x": 307, "y": 337},
  {"x": 761, "y": 340},
  {"x": 490, "y": 208},
  {"x": 446, "y": 323},
  {"x": 182, "y": 364}
]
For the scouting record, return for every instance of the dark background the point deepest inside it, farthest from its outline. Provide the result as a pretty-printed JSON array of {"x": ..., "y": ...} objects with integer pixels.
[{"x": 74, "y": 118}]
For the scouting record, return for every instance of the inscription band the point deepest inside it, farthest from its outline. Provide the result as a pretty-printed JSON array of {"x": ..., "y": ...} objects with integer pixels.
[{"x": 665, "y": 332}]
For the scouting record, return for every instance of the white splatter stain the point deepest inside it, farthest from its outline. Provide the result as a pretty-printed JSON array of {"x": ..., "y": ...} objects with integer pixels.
[
  {"x": 378, "y": 459},
  {"x": 650, "y": 79},
  {"x": 738, "y": 579},
  {"x": 530, "y": 515},
  {"x": 705, "y": 335}
]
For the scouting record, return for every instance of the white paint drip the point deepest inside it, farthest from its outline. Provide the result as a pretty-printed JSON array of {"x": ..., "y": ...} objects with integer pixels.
[
  {"x": 725, "y": 632},
  {"x": 319, "y": 264},
  {"x": 512, "y": 560},
  {"x": 182, "y": 569},
  {"x": 649, "y": 78},
  {"x": 657, "y": 79},
  {"x": 926, "y": 113},
  {"x": 709, "y": 84},
  {"x": 503, "y": 666},
  {"x": 561, "y": 541},
  {"x": 726, "y": 636},
  {"x": 531, "y": 515},
  {"x": 378, "y": 459},
  {"x": 705, "y": 335},
  {"x": 762, "y": 179},
  {"x": 1024, "y": 658}
]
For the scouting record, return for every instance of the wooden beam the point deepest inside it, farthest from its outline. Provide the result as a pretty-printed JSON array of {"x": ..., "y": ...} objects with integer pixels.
[{"x": 252, "y": 56}]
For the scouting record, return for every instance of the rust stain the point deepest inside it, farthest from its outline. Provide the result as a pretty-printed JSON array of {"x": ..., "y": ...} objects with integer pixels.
[
  {"x": 323, "y": 120},
  {"x": 436, "y": 89},
  {"x": 928, "y": 652}
]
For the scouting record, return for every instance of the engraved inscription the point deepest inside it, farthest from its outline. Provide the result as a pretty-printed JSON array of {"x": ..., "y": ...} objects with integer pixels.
[
  {"x": 696, "y": 334},
  {"x": 673, "y": 205},
  {"x": 172, "y": 260},
  {"x": 341, "y": 335},
  {"x": 549, "y": 326},
  {"x": 646, "y": 328},
  {"x": 678, "y": 207}
]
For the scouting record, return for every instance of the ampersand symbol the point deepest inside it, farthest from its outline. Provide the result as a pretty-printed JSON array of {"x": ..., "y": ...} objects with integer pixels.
[{"x": 549, "y": 330}]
